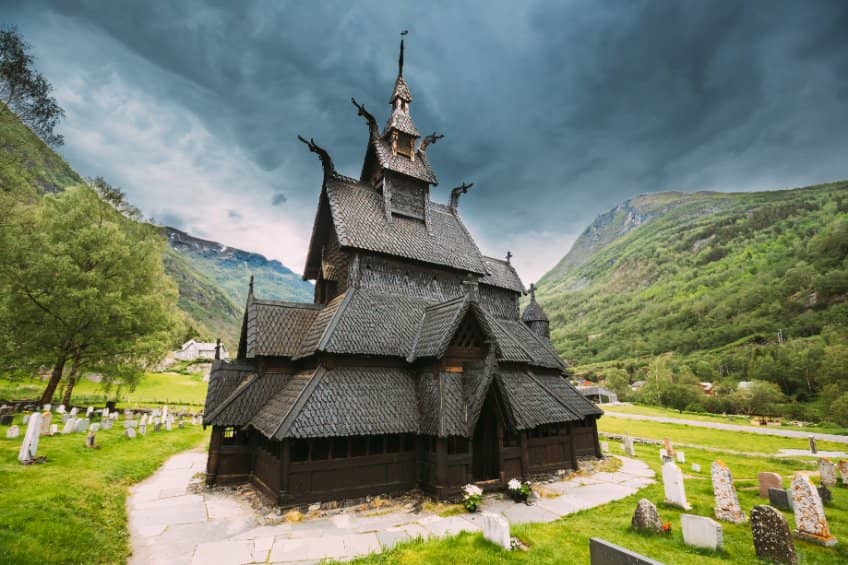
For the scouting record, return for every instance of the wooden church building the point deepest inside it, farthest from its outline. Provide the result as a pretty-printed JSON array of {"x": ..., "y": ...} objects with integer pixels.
[{"x": 412, "y": 368}]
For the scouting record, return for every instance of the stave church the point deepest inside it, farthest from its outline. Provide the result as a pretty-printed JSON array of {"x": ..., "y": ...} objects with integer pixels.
[{"x": 412, "y": 369}]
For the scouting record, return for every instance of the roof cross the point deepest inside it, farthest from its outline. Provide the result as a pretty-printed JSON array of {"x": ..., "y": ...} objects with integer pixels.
[
  {"x": 508, "y": 257},
  {"x": 533, "y": 288}
]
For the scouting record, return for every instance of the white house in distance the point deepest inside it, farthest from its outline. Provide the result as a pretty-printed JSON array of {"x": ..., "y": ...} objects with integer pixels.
[{"x": 193, "y": 349}]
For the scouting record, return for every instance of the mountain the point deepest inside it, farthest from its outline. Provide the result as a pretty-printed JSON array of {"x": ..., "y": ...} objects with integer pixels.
[
  {"x": 689, "y": 273},
  {"x": 212, "y": 278}
]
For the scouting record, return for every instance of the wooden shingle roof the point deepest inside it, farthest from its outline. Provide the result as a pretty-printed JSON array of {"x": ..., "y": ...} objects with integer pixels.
[{"x": 501, "y": 274}]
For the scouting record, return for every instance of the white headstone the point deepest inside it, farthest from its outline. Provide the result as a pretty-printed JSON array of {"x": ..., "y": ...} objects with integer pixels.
[
  {"x": 65, "y": 418},
  {"x": 663, "y": 454},
  {"x": 94, "y": 427},
  {"x": 106, "y": 424},
  {"x": 130, "y": 433},
  {"x": 495, "y": 529},
  {"x": 696, "y": 468},
  {"x": 681, "y": 457},
  {"x": 675, "y": 492},
  {"x": 82, "y": 425},
  {"x": 168, "y": 425},
  {"x": 605, "y": 447},
  {"x": 165, "y": 411},
  {"x": 46, "y": 418},
  {"x": 60, "y": 409},
  {"x": 842, "y": 465},
  {"x": 74, "y": 412},
  {"x": 13, "y": 432},
  {"x": 54, "y": 429},
  {"x": 810, "y": 521},
  {"x": 29, "y": 448},
  {"x": 700, "y": 531},
  {"x": 143, "y": 421},
  {"x": 89, "y": 411},
  {"x": 827, "y": 471},
  {"x": 70, "y": 426},
  {"x": 25, "y": 419},
  {"x": 48, "y": 407},
  {"x": 726, "y": 501},
  {"x": 105, "y": 413}
]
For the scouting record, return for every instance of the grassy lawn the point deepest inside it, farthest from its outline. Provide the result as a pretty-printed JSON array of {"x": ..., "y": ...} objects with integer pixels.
[
  {"x": 154, "y": 388},
  {"x": 728, "y": 419},
  {"x": 71, "y": 509},
  {"x": 567, "y": 539}
]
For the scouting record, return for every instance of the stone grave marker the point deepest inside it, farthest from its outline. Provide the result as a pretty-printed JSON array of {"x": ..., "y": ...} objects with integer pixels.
[
  {"x": 842, "y": 467},
  {"x": 92, "y": 434},
  {"x": 810, "y": 521},
  {"x": 827, "y": 470},
  {"x": 696, "y": 468},
  {"x": 130, "y": 433},
  {"x": 142, "y": 424},
  {"x": 495, "y": 529},
  {"x": 46, "y": 418},
  {"x": 89, "y": 411},
  {"x": 48, "y": 407},
  {"x": 772, "y": 540},
  {"x": 65, "y": 418},
  {"x": 130, "y": 423},
  {"x": 663, "y": 454},
  {"x": 181, "y": 425},
  {"x": 74, "y": 412},
  {"x": 726, "y": 501},
  {"x": 813, "y": 444},
  {"x": 70, "y": 426},
  {"x": 168, "y": 424},
  {"x": 604, "y": 446},
  {"x": 629, "y": 450},
  {"x": 602, "y": 552},
  {"x": 669, "y": 449},
  {"x": 13, "y": 432},
  {"x": 675, "y": 492},
  {"x": 165, "y": 412},
  {"x": 106, "y": 424},
  {"x": 60, "y": 409},
  {"x": 681, "y": 457},
  {"x": 825, "y": 494},
  {"x": 646, "y": 518},
  {"x": 25, "y": 419},
  {"x": 768, "y": 481},
  {"x": 29, "y": 447},
  {"x": 105, "y": 414},
  {"x": 700, "y": 531},
  {"x": 6, "y": 419},
  {"x": 54, "y": 429},
  {"x": 779, "y": 498},
  {"x": 82, "y": 425}
]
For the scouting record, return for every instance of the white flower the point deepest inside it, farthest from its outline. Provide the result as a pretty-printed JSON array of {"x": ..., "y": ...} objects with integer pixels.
[
  {"x": 514, "y": 484},
  {"x": 473, "y": 490}
]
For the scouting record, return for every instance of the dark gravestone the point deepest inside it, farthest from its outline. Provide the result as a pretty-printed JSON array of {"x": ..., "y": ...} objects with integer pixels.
[
  {"x": 646, "y": 517},
  {"x": 6, "y": 420},
  {"x": 825, "y": 494},
  {"x": 772, "y": 539},
  {"x": 779, "y": 498},
  {"x": 602, "y": 552}
]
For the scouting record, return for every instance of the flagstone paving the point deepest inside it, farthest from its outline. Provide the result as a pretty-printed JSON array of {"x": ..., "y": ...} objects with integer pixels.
[{"x": 169, "y": 524}]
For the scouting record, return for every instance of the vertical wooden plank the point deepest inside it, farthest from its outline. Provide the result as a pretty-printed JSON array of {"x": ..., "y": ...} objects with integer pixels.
[
  {"x": 525, "y": 454},
  {"x": 212, "y": 461},
  {"x": 572, "y": 438}
]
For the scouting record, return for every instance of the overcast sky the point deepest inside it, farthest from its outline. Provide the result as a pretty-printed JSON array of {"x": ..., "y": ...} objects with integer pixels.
[{"x": 557, "y": 111}]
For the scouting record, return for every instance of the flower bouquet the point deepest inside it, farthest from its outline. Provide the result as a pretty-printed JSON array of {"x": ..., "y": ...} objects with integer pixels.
[
  {"x": 518, "y": 490},
  {"x": 471, "y": 498}
]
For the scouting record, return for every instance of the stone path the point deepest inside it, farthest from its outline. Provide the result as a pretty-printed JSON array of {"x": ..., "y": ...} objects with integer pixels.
[
  {"x": 170, "y": 525},
  {"x": 766, "y": 431}
]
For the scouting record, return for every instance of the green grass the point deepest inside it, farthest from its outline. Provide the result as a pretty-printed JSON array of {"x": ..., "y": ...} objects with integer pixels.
[
  {"x": 71, "y": 509},
  {"x": 702, "y": 417},
  {"x": 179, "y": 389},
  {"x": 567, "y": 539}
]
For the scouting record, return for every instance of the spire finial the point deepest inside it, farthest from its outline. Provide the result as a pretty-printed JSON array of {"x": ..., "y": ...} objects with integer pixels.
[
  {"x": 400, "y": 59},
  {"x": 218, "y": 349},
  {"x": 533, "y": 289},
  {"x": 250, "y": 286},
  {"x": 508, "y": 257}
]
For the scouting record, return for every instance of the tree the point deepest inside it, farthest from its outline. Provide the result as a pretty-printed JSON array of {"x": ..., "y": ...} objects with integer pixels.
[
  {"x": 25, "y": 91},
  {"x": 760, "y": 398},
  {"x": 85, "y": 287}
]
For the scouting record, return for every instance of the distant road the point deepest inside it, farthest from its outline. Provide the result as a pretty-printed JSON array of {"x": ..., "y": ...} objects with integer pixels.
[{"x": 766, "y": 431}]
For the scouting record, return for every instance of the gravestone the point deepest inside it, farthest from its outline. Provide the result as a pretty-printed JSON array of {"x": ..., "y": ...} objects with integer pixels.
[
  {"x": 25, "y": 419},
  {"x": 772, "y": 540},
  {"x": 70, "y": 426},
  {"x": 106, "y": 424},
  {"x": 168, "y": 425},
  {"x": 130, "y": 433},
  {"x": 105, "y": 414},
  {"x": 825, "y": 494},
  {"x": 827, "y": 471},
  {"x": 669, "y": 450},
  {"x": 82, "y": 425},
  {"x": 29, "y": 447},
  {"x": 700, "y": 531},
  {"x": 46, "y": 417},
  {"x": 60, "y": 409},
  {"x": 165, "y": 412},
  {"x": 92, "y": 434},
  {"x": 6, "y": 419},
  {"x": 726, "y": 501},
  {"x": 842, "y": 467},
  {"x": 681, "y": 457},
  {"x": 130, "y": 423},
  {"x": 675, "y": 492},
  {"x": 779, "y": 498},
  {"x": 602, "y": 552},
  {"x": 628, "y": 446},
  {"x": 646, "y": 518},
  {"x": 74, "y": 412},
  {"x": 54, "y": 429},
  {"x": 65, "y": 418},
  {"x": 813, "y": 445},
  {"x": 48, "y": 407},
  {"x": 769, "y": 481},
  {"x": 13, "y": 432},
  {"x": 810, "y": 521},
  {"x": 604, "y": 444},
  {"x": 89, "y": 411},
  {"x": 495, "y": 529},
  {"x": 696, "y": 468},
  {"x": 664, "y": 454}
]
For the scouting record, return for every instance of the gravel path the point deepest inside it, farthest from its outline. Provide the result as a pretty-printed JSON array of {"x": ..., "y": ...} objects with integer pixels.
[
  {"x": 766, "y": 431},
  {"x": 171, "y": 525}
]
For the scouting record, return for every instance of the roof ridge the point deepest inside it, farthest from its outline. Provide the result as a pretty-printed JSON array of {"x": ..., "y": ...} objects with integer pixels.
[
  {"x": 454, "y": 325},
  {"x": 334, "y": 321},
  {"x": 285, "y": 421},
  {"x": 548, "y": 346},
  {"x": 509, "y": 336},
  {"x": 411, "y": 356},
  {"x": 239, "y": 390},
  {"x": 288, "y": 304}
]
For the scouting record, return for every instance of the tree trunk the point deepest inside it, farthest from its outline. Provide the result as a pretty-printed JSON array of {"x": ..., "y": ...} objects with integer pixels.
[
  {"x": 55, "y": 377},
  {"x": 69, "y": 386}
]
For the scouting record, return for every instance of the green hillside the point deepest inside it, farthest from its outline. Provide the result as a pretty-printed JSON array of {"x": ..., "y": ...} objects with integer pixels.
[{"x": 710, "y": 285}]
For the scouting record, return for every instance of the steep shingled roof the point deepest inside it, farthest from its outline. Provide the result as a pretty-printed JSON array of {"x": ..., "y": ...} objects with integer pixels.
[
  {"x": 277, "y": 328},
  {"x": 418, "y": 168},
  {"x": 224, "y": 379},
  {"x": 501, "y": 274},
  {"x": 534, "y": 313},
  {"x": 240, "y": 406},
  {"x": 529, "y": 403}
]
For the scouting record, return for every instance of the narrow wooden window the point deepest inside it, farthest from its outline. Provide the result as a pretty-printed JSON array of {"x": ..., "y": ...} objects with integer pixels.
[
  {"x": 339, "y": 448},
  {"x": 300, "y": 450}
]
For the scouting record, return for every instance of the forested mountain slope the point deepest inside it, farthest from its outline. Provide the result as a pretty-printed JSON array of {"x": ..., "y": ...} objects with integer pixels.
[{"x": 685, "y": 273}]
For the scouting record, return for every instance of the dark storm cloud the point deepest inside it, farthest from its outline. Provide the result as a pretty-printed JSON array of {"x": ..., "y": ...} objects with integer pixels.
[{"x": 557, "y": 111}]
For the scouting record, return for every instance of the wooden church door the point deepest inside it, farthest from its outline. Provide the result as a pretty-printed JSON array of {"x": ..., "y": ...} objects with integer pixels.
[{"x": 485, "y": 455}]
